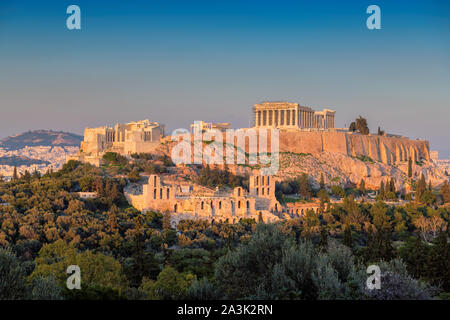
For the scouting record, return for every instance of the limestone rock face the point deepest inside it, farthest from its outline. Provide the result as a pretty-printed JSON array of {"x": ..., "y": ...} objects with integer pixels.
[
  {"x": 379, "y": 148},
  {"x": 341, "y": 169}
]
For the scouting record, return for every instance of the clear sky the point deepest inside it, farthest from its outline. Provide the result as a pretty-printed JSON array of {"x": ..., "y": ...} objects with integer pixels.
[{"x": 180, "y": 61}]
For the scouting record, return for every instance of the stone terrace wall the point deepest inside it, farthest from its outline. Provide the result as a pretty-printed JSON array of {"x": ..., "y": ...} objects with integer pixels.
[{"x": 380, "y": 148}]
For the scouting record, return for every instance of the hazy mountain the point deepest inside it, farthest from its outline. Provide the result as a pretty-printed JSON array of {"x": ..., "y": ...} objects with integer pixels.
[
  {"x": 41, "y": 138},
  {"x": 40, "y": 149}
]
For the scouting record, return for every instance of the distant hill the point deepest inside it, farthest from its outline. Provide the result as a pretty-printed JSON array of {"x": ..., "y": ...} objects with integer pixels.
[{"x": 41, "y": 138}]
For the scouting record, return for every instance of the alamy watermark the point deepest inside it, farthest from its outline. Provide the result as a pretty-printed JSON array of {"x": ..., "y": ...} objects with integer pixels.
[
  {"x": 231, "y": 147},
  {"x": 374, "y": 280},
  {"x": 374, "y": 20},
  {"x": 74, "y": 280},
  {"x": 74, "y": 20}
]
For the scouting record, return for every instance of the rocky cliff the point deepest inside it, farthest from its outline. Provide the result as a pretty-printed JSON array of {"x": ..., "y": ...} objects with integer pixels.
[{"x": 378, "y": 148}]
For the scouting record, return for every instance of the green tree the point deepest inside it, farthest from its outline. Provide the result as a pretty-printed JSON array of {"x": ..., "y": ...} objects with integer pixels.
[
  {"x": 239, "y": 273},
  {"x": 362, "y": 187},
  {"x": 304, "y": 186},
  {"x": 15, "y": 175},
  {"x": 96, "y": 268},
  {"x": 415, "y": 255},
  {"x": 392, "y": 185},
  {"x": 134, "y": 175},
  {"x": 439, "y": 261},
  {"x": 445, "y": 191},
  {"x": 381, "y": 191},
  {"x": 323, "y": 243},
  {"x": 361, "y": 125},
  {"x": 352, "y": 127},
  {"x": 12, "y": 276},
  {"x": 170, "y": 285},
  {"x": 202, "y": 289},
  {"x": 409, "y": 168},
  {"x": 45, "y": 289},
  {"x": 322, "y": 182},
  {"x": 348, "y": 240},
  {"x": 421, "y": 187}
]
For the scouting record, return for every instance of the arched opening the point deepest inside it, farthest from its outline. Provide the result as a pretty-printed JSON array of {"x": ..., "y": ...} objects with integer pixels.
[
  {"x": 201, "y": 205},
  {"x": 239, "y": 204},
  {"x": 239, "y": 192},
  {"x": 262, "y": 180},
  {"x": 220, "y": 205},
  {"x": 160, "y": 193},
  {"x": 257, "y": 191},
  {"x": 154, "y": 194},
  {"x": 168, "y": 193},
  {"x": 154, "y": 180},
  {"x": 262, "y": 191},
  {"x": 175, "y": 208},
  {"x": 248, "y": 204}
]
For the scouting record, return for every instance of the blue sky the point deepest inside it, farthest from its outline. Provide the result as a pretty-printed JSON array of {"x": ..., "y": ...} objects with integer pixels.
[{"x": 180, "y": 61}]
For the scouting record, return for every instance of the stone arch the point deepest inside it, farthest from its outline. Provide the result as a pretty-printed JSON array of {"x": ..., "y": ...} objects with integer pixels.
[{"x": 175, "y": 208}]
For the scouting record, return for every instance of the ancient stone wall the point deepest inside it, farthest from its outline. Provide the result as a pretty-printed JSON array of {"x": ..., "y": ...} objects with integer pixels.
[{"x": 379, "y": 148}]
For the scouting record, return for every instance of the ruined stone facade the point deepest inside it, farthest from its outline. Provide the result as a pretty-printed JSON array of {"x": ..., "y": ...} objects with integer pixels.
[
  {"x": 201, "y": 126},
  {"x": 291, "y": 115},
  {"x": 186, "y": 199},
  {"x": 133, "y": 137}
]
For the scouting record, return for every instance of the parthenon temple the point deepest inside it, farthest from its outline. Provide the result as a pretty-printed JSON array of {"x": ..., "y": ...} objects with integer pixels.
[{"x": 292, "y": 115}]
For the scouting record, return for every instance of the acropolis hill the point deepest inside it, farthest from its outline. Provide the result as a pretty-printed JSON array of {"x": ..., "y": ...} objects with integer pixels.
[
  {"x": 302, "y": 130},
  {"x": 308, "y": 142}
]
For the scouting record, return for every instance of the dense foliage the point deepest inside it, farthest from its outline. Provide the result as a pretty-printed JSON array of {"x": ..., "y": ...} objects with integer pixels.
[{"x": 45, "y": 226}]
